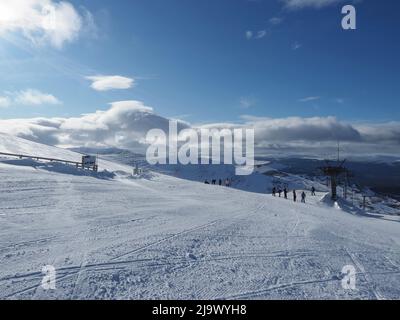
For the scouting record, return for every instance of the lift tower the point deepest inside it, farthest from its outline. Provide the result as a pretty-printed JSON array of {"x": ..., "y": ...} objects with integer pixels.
[{"x": 334, "y": 170}]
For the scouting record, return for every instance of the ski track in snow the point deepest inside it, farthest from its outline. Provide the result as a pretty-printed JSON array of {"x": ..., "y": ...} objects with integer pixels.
[
  {"x": 378, "y": 295},
  {"x": 166, "y": 238}
]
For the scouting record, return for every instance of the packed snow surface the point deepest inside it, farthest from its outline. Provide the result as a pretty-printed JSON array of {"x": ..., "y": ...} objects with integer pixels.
[{"x": 112, "y": 236}]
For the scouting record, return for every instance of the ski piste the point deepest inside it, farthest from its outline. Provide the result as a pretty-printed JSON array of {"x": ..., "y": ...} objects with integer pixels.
[{"x": 111, "y": 235}]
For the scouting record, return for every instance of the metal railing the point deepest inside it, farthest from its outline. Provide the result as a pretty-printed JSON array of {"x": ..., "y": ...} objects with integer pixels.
[{"x": 24, "y": 156}]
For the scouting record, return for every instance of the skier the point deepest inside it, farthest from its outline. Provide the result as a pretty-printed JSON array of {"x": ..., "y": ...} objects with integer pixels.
[
  {"x": 279, "y": 192},
  {"x": 285, "y": 193},
  {"x": 220, "y": 182},
  {"x": 227, "y": 183},
  {"x": 274, "y": 191},
  {"x": 313, "y": 191},
  {"x": 214, "y": 181},
  {"x": 294, "y": 196},
  {"x": 303, "y": 197},
  {"x": 206, "y": 182}
]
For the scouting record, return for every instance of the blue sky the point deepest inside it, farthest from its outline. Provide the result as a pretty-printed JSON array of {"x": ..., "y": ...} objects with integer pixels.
[
  {"x": 192, "y": 59},
  {"x": 103, "y": 73}
]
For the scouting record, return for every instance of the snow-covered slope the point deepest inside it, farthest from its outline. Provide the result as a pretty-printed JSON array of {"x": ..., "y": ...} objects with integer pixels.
[
  {"x": 267, "y": 174},
  {"x": 163, "y": 237},
  {"x": 15, "y": 145},
  {"x": 262, "y": 180},
  {"x": 259, "y": 181}
]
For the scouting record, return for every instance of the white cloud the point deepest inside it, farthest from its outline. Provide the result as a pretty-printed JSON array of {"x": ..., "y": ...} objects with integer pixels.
[
  {"x": 35, "y": 98},
  {"x": 256, "y": 35},
  {"x": 380, "y": 132},
  {"x": 309, "y": 99},
  {"x": 28, "y": 97},
  {"x": 41, "y": 21},
  {"x": 5, "y": 102},
  {"x": 294, "y": 129},
  {"x": 299, "y": 4},
  {"x": 246, "y": 102},
  {"x": 275, "y": 20},
  {"x": 126, "y": 123},
  {"x": 296, "y": 45},
  {"x": 261, "y": 34},
  {"x": 105, "y": 83}
]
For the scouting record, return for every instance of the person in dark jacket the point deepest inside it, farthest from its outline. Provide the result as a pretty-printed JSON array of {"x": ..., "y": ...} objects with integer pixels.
[
  {"x": 303, "y": 197},
  {"x": 274, "y": 191},
  {"x": 279, "y": 192},
  {"x": 220, "y": 182},
  {"x": 294, "y": 196},
  {"x": 313, "y": 191},
  {"x": 285, "y": 193}
]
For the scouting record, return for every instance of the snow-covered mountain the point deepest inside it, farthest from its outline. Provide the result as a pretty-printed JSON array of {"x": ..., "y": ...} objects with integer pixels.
[{"x": 166, "y": 234}]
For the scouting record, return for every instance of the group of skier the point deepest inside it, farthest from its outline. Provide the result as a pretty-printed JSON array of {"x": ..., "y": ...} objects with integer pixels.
[
  {"x": 227, "y": 182},
  {"x": 303, "y": 195}
]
